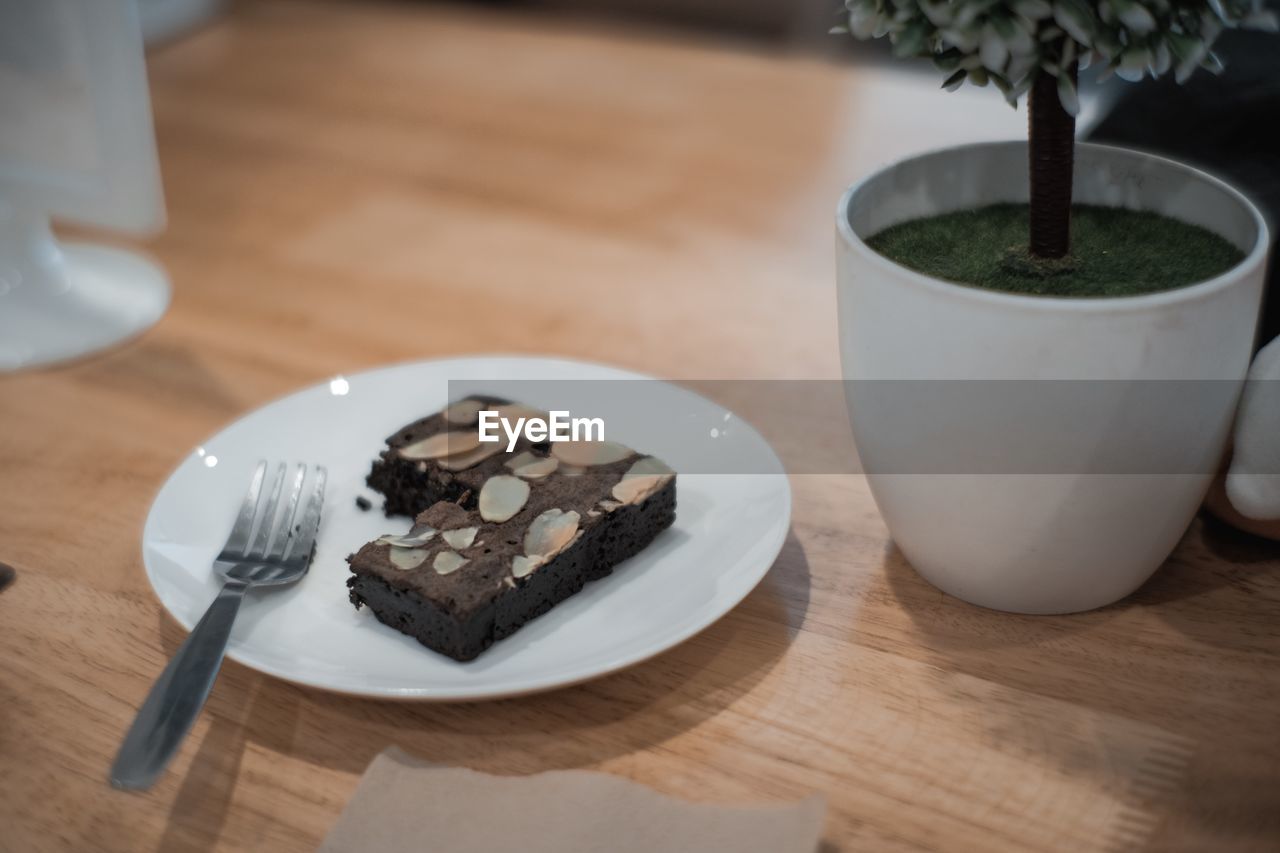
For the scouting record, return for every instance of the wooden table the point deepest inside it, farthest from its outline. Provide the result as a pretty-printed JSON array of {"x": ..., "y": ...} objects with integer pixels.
[{"x": 664, "y": 205}]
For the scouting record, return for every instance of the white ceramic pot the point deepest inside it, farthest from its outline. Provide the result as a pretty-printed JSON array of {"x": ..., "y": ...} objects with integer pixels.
[{"x": 978, "y": 517}]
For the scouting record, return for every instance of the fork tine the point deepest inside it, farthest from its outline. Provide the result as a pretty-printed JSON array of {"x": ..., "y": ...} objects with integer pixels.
[
  {"x": 239, "y": 537},
  {"x": 270, "y": 506},
  {"x": 280, "y": 541},
  {"x": 301, "y": 544}
]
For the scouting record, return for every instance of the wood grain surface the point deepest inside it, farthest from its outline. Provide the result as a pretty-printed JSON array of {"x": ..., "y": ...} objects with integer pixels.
[{"x": 340, "y": 175}]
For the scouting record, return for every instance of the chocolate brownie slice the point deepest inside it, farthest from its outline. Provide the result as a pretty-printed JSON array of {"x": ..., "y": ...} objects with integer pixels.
[
  {"x": 412, "y": 482},
  {"x": 507, "y": 535}
]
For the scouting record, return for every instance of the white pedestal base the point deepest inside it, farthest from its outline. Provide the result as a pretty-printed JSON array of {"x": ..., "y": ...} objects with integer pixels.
[{"x": 59, "y": 302}]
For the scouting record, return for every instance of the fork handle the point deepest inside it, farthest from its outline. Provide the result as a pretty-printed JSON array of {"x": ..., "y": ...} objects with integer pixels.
[{"x": 178, "y": 695}]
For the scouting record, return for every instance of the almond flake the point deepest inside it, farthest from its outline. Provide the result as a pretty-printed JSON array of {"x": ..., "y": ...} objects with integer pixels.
[
  {"x": 501, "y": 497},
  {"x": 587, "y": 453},
  {"x": 550, "y": 533},
  {"x": 442, "y": 444},
  {"x": 408, "y": 558},
  {"x": 420, "y": 535},
  {"x": 537, "y": 470},
  {"x": 608, "y": 505},
  {"x": 464, "y": 412},
  {"x": 461, "y": 538},
  {"x": 524, "y": 457},
  {"x": 521, "y": 566},
  {"x": 636, "y": 490},
  {"x": 512, "y": 412},
  {"x": 463, "y": 461},
  {"x": 448, "y": 561},
  {"x": 642, "y": 479}
]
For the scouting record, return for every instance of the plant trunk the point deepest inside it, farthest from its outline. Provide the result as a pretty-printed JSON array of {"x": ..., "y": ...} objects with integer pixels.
[{"x": 1051, "y": 136}]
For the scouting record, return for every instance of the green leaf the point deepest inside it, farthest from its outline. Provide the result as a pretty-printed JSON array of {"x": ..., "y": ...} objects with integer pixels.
[
  {"x": 955, "y": 80},
  {"x": 970, "y": 11},
  {"x": 1036, "y": 10},
  {"x": 911, "y": 40},
  {"x": 1184, "y": 46},
  {"x": 1006, "y": 89},
  {"x": 1163, "y": 59},
  {"x": 1210, "y": 27},
  {"x": 1021, "y": 66},
  {"x": 994, "y": 51},
  {"x": 1134, "y": 16},
  {"x": 1134, "y": 63},
  {"x": 863, "y": 20},
  {"x": 1077, "y": 19},
  {"x": 1067, "y": 95},
  {"x": 1016, "y": 38},
  {"x": 1189, "y": 51},
  {"x": 948, "y": 60},
  {"x": 962, "y": 40},
  {"x": 937, "y": 11},
  {"x": 1107, "y": 45}
]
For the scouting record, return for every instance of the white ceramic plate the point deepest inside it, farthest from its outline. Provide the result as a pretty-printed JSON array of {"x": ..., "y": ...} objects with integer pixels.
[{"x": 728, "y": 531}]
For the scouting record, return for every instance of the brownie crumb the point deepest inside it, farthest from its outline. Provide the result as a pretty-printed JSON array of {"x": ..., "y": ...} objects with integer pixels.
[{"x": 364, "y": 503}]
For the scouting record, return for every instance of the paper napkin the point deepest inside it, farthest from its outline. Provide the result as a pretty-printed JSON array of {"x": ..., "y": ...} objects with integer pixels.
[{"x": 403, "y": 804}]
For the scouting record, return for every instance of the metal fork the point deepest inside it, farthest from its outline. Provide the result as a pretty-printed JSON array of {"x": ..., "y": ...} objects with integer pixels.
[{"x": 268, "y": 546}]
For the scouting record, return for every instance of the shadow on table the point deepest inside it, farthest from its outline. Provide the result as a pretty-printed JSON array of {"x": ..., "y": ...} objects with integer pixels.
[
  {"x": 160, "y": 371},
  {"x": 1189, "y": 658},
  {"x": 579, "y": 726},
  {"x": 1215, "y": 577}
]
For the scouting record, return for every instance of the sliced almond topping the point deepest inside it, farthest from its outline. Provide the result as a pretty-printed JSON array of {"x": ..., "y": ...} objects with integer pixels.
[
  {"x": 420, "y": 535},
  {"x": 593, "y": 513},
  {"x": 635, "y": 490},
  {"x": 550, "y": 533},
  {"x": 408, "y": 558},
  {"x": 521, "y": 566},
  {"x": 463, "y": 461},
  {"x": 642, "y": 479},
  {"x": 513, "y": 412},
  {"x": 448, "y": 561},
  {"x": 587, "y": 453},
  {"x": 608, "y": 505},
  {"x": 461, "y": 538},
  {"x": 464, "y": 412},
  {"x": 524, "y": 457},
  {"x": 442, "y": 444},
  {"x": 502, "y": 497},
  {"x": 537, "y": 470}
]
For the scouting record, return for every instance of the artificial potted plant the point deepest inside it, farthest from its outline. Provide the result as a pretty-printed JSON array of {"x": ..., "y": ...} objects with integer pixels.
[{"x": 1134, "y": 277}]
